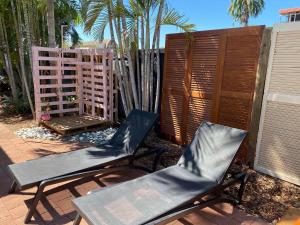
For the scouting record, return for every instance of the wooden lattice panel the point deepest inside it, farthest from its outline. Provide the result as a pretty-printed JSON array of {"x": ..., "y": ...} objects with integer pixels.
[
  {"x": 278, "y": 144},
  {"x": 74, "y": 81},
  {"x": 209, "y": 75}
]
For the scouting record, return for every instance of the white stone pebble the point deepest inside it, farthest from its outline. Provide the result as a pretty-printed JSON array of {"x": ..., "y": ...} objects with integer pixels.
[
  {"x": 37, "y": 133},
  {"x": 95, "y": 137}
]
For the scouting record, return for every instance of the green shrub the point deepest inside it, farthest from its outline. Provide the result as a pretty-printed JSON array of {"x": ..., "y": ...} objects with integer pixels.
[{"x": 9, "y": 106}]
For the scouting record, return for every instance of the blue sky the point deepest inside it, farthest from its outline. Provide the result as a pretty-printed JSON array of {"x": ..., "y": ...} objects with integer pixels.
[{"x": 208, "y": 15}]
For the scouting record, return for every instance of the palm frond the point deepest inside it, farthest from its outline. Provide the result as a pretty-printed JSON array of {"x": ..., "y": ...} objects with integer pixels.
[
  {"x": 173, "y": 18},
  {"x": 92, "y": 10}
]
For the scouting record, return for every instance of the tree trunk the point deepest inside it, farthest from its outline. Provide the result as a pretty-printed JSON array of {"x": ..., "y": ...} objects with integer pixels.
[
  {"x": 157, "y": 94},
  {"x": 143, "y": 63},
  {"x": 156, "y": 41},
  {"x": 51, "y": 24},
  {"x": 117, "y": 65},
  {"x": 28, "y": 32},
  {"x": 129, "y": 58},
  {"x": 124, "y": 71},
  {"x": 151, "y": 74},
  {"x": 147, "y": 58},
  {"x": 138, "y": 71},
  {"x": 18, "y": 26},
  {"x": 43, "y": 39},
  {"x": 7, "y": 60}
]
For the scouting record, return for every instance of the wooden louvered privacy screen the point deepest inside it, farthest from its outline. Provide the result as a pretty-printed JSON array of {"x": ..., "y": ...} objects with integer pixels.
[
  {"x": 209, "y": 75},
  {"x": 278, "y": 144}
]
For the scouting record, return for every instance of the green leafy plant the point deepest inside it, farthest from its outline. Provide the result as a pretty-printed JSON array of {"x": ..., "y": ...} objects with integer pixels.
[{"x": 19, "y": 106}]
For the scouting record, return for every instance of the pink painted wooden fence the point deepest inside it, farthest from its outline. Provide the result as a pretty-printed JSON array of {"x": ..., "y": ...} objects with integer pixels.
[{"x": 74, "y": 81}]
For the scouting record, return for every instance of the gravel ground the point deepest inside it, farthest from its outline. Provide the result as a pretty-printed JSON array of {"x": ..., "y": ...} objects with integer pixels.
[
  {"x": 96, "y": 137},
  {"x": 269, "y": 197}
]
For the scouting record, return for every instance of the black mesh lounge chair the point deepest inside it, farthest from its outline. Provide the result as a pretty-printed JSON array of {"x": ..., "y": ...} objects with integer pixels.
[
  {"x": 171, "y": 193},
  {"x": 85, "y": 162}
]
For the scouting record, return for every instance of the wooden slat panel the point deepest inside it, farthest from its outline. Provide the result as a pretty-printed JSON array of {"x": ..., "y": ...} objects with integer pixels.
[
  {"x": 209, "y": 75},
  {"x": 171, "y": 125},
  {"x": 175, "y": 64},
  {"x": 204, "y": 63},
  {"x": 200, "y": 110},
  {"x": 238, "y": 83},
  {"x": 174, "y": 70},
  {"x": 234, "y": 112}
]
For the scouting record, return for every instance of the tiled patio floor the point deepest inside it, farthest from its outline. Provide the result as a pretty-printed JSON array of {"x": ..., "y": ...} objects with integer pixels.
[{"x": 56, "y": 207}]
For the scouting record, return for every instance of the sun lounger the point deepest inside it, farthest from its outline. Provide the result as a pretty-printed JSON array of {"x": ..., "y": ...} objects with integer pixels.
[
  {"x": 85, "y": 162},
  {"x": 171, "y": 193}
]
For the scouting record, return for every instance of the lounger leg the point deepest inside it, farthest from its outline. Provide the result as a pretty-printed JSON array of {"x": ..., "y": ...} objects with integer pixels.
[
  {"x": 36, "y": 200},
  {"x": 242, "y": 187},
  {"x": 157, "y": 160},
  {"x": 13, "y": 187},
  {"x": 77, "y": 220}
]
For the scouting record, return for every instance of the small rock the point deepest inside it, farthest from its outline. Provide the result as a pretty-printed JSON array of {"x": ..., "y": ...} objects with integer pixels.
[{"x": 96, "y": 137}]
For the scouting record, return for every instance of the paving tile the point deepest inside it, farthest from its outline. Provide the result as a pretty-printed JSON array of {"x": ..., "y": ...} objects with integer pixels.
[
  {"x": 20, "y": 221},
  {"x": 51, "y": 215},
  {"x": 3, "y": 212},
  {"x": 58, "y": 196},
  {"x": 12, "y": 201},
  {"x": 19, "y": 211},
  {"x": 7, "y": 221},
  {"x": 257, "y": 221},
  {"x": 196, "y": 218}
]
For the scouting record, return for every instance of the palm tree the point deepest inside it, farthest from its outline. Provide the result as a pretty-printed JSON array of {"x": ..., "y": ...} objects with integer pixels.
[
  {"x": 4, "y": 49},
  {"x": 241, "y": 10},
  {"x": 132, "y": 27},
  {"x": 19, "y": 33},
  {"x": 51, "y": 24}
]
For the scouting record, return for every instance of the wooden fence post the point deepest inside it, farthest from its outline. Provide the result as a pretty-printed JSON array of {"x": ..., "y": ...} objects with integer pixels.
[
  {"x": 105, "y": 93},
  {"x": 79, "y": 82},
  {"x": 36, "y": 82},
  {"x": 59, "y": 77},
  {"x": 258, "y": 94}
]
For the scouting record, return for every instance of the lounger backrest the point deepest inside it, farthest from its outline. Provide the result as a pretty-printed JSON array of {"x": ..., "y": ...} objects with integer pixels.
[
  {"x": 133, "y": 130},
  {"x": 212, "y": 150}
]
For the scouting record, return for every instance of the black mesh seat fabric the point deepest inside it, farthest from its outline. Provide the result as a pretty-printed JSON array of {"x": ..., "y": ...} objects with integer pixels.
[
  {"x": 32, "y": 172},
  {"x": 139, "y": 200},
  {"x": 123, "y": 144},
  {"x": 133, "y": 131},
  {"x": 200, "y": 169}
]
